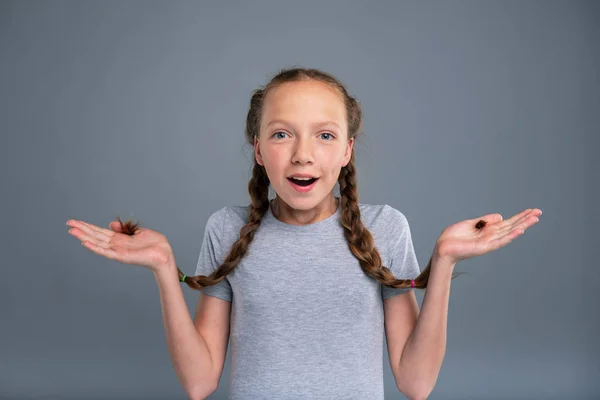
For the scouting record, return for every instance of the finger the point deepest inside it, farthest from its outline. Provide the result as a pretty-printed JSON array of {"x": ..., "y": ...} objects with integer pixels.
[
  {"x": 523, "y": 223},
  {"x": 115, "y": 226},
  {"x": 505, "y": 239},
  {"x": 509, "y": 223},
  {"x": 526, "y": 224},
  {"x": 515, "y": 219},
  {"x": 103, "y": 251},
  {"x": 97, "y": 229},
  {"x": 490, "y": 218},
  {"x": 91, "y": 231},
  {"x": 84, "y": 234},
  {"x": 79, "y": 234}
]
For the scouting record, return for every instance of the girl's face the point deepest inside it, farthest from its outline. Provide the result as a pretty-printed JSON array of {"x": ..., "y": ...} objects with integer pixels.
[{"x": 303, "y": 133}]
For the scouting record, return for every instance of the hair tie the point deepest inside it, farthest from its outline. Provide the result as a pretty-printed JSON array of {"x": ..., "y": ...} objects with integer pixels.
[
  {"x": 412, "y": 283},
  {"x": 182, "y": 279}
]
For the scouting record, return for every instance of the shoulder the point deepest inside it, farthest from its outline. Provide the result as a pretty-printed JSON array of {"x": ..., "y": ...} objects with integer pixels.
[
  {"x": 223, "y": 229},
  {"x": 390, "y": 230},
  {"x": 382, "y": 217},
  {"x": 388, "y": 225},
  {"x": 228, "y": 219}
]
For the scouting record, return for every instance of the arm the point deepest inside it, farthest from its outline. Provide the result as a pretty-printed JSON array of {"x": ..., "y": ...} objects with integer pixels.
[
  {"x": 417, "y": 349},
  {"x": 188, "y": 351},
  {"x": 423, "y": 351}
]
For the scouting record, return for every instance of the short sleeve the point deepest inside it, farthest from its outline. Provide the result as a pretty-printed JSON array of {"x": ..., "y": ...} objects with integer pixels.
[
  {"x": 212, "y": 255},
  {"x": 402, "y": 258}
]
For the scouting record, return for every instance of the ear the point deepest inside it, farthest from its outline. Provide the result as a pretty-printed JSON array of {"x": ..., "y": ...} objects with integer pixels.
[
  {"x": 348, "y": 153},
  {"x": 257, "y": 154}
]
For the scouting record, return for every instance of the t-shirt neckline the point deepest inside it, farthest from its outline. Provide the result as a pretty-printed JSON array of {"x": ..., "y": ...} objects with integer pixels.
[{"x": 333, "y": 218}]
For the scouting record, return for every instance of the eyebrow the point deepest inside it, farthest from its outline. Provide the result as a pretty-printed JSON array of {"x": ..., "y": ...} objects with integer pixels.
[{"x": 316, "y": 124}]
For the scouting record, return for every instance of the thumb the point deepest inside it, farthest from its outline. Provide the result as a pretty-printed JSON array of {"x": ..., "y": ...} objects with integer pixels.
[
  {"x": 127, "y": 228},
  {"x": 115, "y": 226},
  {"x": 490, "y": 218}
]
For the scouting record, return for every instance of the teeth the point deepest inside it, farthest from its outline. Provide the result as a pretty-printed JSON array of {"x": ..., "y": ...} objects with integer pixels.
[{"x": 301, "y": 179}]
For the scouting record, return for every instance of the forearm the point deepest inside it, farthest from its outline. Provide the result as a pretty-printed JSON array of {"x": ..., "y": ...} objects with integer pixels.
[
  {"x": 188, "y": 351},
  {"x": 424, "y": 351}
]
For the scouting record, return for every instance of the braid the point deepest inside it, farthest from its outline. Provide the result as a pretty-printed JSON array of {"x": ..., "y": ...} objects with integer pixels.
[
  {"x": 258, "y": 187},
  {"x": 360, "y": 240}
]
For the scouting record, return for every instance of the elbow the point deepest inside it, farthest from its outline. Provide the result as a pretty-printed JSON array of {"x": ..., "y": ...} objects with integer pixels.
[
  {"x": 422, "y": 396},
  {"x": 200, "y": 391},
  {"x": 416, "y": 392}
]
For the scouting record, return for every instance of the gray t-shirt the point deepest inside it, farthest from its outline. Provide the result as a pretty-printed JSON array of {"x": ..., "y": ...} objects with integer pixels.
[{"x": 306, "y": 322}]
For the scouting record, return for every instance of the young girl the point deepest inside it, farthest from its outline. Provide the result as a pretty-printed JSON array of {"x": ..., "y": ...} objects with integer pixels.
[{"x": 305, "y": 284}]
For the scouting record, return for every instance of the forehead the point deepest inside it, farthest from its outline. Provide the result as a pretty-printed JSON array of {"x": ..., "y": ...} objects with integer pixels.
[{"x": 304, "y": 102}]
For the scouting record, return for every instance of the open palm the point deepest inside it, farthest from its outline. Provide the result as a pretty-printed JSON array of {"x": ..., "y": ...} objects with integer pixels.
[
  {"x": 145, "y": 247},
  {"x": 465, "y": 240}
]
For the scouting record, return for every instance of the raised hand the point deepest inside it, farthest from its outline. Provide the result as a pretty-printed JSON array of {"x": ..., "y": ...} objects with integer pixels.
[
  {"x": 474, "y": 237},
  {"x": 144, "y": 247}
]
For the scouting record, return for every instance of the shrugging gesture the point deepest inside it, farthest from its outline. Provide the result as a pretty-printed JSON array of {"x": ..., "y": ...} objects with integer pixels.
[
  {"x": 125, "y": 243},
  {"x": 475, "y": 237}
]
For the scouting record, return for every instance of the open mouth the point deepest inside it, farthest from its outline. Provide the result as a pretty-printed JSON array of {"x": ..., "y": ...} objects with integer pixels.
[{"x": 302, "y": 181}]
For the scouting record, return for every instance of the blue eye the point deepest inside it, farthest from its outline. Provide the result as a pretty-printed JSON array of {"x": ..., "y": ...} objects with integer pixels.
[
  {"x": 327, "y": 133},
  {"x": 276, "y": 133}
]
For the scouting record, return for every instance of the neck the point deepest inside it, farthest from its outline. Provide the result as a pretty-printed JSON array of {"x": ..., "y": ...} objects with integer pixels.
[{"x": 289, "y": 215}]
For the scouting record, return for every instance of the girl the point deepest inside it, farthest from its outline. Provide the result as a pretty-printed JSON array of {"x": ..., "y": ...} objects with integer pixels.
[{"x": 305, "y": 284}]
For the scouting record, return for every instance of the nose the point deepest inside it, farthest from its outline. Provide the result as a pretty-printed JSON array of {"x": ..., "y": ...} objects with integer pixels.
[{"x": 303, "y": 152}]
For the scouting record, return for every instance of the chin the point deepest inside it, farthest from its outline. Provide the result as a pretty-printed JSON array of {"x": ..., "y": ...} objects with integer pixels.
[{"x": 302, "y": 202}]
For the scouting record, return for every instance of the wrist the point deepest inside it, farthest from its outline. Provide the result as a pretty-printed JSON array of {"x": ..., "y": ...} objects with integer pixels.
[
  {"x": 441, "y": 258},
  {"x": 167, "y": 269},
  {"x": 440, "y": 255}
]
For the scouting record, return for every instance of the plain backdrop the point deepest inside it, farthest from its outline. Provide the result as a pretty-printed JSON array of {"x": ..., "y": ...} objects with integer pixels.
[{"x": 137, "y": 109}]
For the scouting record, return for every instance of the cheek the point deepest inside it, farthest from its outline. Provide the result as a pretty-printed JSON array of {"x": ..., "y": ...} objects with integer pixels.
[
  {"x": 332, "y": 159},
  {"x": 274, "y": 159},
  {"x": 332, "y": 167}
]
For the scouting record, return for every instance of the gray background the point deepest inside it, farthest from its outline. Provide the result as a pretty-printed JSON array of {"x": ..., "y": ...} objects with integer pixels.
[{"x": 137, "y": 109}]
